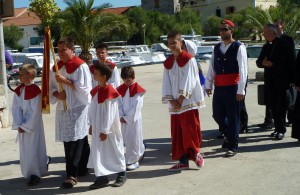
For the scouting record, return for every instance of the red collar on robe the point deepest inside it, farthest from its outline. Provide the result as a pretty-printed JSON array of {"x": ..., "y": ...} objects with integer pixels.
[
  {"x": 31, "y": 91},
  {"x": 104, "y": 93},
  {"x": 181, "y": 60},
  {"x": 133, "y": 89},
  {"x": 112, "y": 65},
  {"x": 71, "y": 65}
]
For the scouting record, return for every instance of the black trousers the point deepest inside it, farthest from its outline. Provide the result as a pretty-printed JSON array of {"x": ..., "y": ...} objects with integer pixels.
[
  {"x": 278, "y": 109},
  {"x": 244, "y": 116},
  {"x": 76, "y": 156},
  {"x": 296, "y": 121}
]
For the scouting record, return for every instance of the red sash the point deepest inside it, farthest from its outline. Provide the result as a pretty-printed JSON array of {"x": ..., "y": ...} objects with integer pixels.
[{"x": 227, "y": 79}]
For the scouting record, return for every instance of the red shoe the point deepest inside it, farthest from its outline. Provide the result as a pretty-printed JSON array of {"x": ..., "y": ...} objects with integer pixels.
[
  {"x": 199, "y": 160},
  {"x": 179, "y": 167}
]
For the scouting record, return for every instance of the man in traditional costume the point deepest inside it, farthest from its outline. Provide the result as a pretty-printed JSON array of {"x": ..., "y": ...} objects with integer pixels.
[
  {"x": 181, "y": 89},
  {"x": 27, "y": 119},
  {"x": 130, "y": 111},
  {"x": 101, "y": 52},
  {"x": 277, "y": 59},
  {"x": 107, "y": 150},
  {"x": 73, "y": 101},
  {"x": 228, "y": 73}
]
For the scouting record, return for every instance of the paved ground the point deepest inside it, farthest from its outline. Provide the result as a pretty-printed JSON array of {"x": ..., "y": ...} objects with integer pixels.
[{"x": 262, "y": 166}]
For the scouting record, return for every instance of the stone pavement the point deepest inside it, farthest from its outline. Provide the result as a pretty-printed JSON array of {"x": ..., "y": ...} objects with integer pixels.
[{"x": 262, "y": 165}]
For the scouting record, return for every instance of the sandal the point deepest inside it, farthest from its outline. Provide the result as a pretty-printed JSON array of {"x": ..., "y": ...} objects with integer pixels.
[{"x": 69, "y": 182}]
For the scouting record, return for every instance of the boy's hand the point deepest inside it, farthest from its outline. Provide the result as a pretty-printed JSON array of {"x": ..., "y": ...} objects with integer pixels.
[
  {"x": 208, "y": 92},
  {"x": 102, "y": 137},
  {"x": 90, "y": 130},
  {"x": 122, "y": 120},
  {"x": 180, "y": 100},
  {"x": 20, "y": 130},
  {"x": 175, "y": 104}
]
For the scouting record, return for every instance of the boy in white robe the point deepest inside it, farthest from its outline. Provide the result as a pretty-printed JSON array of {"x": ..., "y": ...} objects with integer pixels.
[
  {"x": 27, "y": 119},
  {"x": 101, "y": 52},
  {"x": 130, "y": 111},
  {"x": 107, "y": 148}
]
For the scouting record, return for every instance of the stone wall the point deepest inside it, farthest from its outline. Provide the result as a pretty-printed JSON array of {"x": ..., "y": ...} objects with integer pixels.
[{"x": 3, "y": 109}]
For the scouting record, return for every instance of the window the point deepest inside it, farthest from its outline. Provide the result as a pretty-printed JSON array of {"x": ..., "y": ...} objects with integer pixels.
[
  {"x": 230, "y": 10},
  {"x": 34, "y": 40},
  {"x": 156, "y": 3}
]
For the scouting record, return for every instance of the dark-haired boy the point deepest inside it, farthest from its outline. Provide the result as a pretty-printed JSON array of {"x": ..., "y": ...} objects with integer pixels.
[
  {"x": 101, "y": 52},
  {"x": 130, "y": 110},
  {"x": 107, "y": 149}
]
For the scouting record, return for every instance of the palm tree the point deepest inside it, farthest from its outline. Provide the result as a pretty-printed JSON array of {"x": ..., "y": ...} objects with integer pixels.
[
  {"x": 256, "y": 18},
  {"x": 85, "y": 23}
]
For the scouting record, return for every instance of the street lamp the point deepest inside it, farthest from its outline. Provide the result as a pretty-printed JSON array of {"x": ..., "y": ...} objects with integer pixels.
[
  {"x": 144, "y": 27},
  {"x": 28, "y": 40}
]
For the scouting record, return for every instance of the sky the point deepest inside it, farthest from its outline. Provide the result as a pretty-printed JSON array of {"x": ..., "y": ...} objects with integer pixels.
[{"x": 62, "y": 5}]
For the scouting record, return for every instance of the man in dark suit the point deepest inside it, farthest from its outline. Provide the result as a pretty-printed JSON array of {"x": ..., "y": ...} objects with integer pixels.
[
  {"x": 277, "y": 59},
  {"x": 290, "y": 93}
]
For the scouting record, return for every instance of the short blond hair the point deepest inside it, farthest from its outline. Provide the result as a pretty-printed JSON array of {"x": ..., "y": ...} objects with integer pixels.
[{"x": 29, "y": 68}]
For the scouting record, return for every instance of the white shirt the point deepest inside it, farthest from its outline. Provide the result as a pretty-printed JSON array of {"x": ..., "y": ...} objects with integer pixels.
[{"x": 243, "y": 68}]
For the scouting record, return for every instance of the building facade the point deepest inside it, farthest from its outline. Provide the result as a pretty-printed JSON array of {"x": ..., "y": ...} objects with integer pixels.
[
  {"x": 28, "y": 22},
  {"x": 205, "y": 7},
  {"x": 164, "y": 6}
]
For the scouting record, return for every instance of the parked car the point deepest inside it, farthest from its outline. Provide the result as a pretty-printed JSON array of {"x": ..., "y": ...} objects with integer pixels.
[
  {"x": 19, "y": 58},
  {"x": 37, "y": 61}
]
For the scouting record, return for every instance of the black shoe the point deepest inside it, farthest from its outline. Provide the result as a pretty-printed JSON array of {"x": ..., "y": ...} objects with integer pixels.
[
  {"x": 288, "y": 124},
  {"x": 244, "y": 130},
  {"x": 33, "y": 180},
  {"x": 221, "y": 136},
  {"x": 225, "y": 144},
  {"x": 100, "y": 182},
  {"x": 274, "y": 134},
  {"x": 279, "y": 136},
  {"x": 230, "y": 153},
  {"x": 119, "y": 181},
  {"x": 266, "y": 125}
]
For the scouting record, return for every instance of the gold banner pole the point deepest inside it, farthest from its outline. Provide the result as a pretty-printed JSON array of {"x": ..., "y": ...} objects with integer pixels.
[{"x": 57, "y": 70}]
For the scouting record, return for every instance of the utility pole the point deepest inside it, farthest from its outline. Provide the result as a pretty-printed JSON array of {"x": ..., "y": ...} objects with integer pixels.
[
  {"x": 144, "y": 28},
  {"x": 6, "y": 10}
]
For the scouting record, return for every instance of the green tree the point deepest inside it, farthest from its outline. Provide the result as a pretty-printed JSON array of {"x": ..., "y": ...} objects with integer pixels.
[
  {"x": 85, "y": 24},
  {"x": 189, "y": 22},
  {"x": 157, "y": 24},
  {"x": 211, "y": 26},
  {"x": 12, "y": 34},
  {"x": 253, "y": 19}
]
